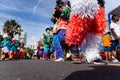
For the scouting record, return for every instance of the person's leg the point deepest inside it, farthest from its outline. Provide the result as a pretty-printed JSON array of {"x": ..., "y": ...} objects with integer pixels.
[
  {"x": 106, "y": 55},
  {"x": 118, "y": 54},
  {"x": 61, "y": 36},
  {"x": 2, "y": 55},
  {"x": 113, "y": 47},
  {"x": 57, "y": 38},
  {"x": 109, "y": 56},
  {"x": 57, "y": 46},
  {"x": 45, "y": 54},
  {"x": 82, "y": 55},
  {"x": 10, "y": 54},
  {"x": 38, "y": 56},
  {"x": 40, "y": 53},
  {"x": 51, "y": 51},
  {"x": 114, "y": 53}
]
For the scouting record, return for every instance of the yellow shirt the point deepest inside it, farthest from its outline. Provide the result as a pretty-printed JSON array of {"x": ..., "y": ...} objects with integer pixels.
[{"x": 106, "y": 40}]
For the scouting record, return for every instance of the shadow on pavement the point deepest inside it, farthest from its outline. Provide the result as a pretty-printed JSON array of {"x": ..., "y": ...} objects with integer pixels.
[{"x": 98, "y": 73}]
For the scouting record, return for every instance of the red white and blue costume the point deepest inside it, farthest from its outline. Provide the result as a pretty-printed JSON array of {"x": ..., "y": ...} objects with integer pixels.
[{"x": 87, "y": 22}]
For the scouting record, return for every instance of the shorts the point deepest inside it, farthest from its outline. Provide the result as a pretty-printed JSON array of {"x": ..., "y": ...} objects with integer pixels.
[
  {"x": 75, "y": 51},
  {"x": 48, "y": 50},
  {"x": 107, "y": 49},
  {"x": 118, "y": 45},
  {"x": 114, "y": 45}
]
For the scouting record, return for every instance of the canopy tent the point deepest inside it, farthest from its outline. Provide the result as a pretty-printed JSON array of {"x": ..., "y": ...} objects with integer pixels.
[{"x": 116, "y": 11}]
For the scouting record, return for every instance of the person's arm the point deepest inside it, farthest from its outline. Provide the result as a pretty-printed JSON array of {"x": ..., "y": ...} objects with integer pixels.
[{"x": 114, "y": 33}]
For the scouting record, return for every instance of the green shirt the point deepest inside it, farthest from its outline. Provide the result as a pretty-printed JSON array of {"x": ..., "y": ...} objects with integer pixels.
[
  {"x": 66, "y": 12},
  {"x": 47, "y": 39}
]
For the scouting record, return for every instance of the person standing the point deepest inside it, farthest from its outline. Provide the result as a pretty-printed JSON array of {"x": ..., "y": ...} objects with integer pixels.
[
  {"x": 5, "y": 44},
  {"x": 60, "y": 28},
  {"x": 115, "y": 33},
  {"x": 14, "y": 49},
  {"x": 107, "y": 45},
  {"x": 47, "y": 43}
]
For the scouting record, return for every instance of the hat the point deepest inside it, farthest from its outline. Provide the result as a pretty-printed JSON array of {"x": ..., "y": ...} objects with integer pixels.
[{"x": 5, "y": 35}]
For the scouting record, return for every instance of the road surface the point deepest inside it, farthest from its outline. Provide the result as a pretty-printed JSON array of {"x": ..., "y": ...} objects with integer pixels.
[{"x": 50, "y": 70}]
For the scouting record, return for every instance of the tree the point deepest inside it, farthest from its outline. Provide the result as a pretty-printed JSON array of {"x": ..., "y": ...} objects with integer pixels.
[
  {"x": 12, "y": 27},
  {"x": 1, "y": 38}
]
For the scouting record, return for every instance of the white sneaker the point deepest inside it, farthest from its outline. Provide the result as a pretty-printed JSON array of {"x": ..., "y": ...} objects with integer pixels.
[
  {"x": 68, "y": 55},
  {"x": 60, "y": 60},
  {"x": 115, "y": 60}
]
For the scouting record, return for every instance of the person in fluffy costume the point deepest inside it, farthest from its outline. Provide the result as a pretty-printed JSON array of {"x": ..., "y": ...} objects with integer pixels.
[{"x": 87, "y": 22}]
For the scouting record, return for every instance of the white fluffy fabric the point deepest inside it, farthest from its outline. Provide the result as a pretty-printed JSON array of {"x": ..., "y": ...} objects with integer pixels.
[
  {"x": 92, "y": 47},
  {"x": 84, "y": 8}
]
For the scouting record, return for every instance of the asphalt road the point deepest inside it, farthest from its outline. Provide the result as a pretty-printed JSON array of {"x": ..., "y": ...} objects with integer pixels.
[{"x": 49, "y": 70}]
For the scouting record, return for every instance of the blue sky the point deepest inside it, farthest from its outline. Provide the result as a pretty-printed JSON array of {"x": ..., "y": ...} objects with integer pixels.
[{"x": 34, "y": 15}]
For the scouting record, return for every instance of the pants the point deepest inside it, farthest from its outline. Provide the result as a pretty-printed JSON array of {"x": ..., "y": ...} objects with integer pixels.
[
  {"x": 114, "y": 45},
  {"x": 48, "y": 51},
  {"x": 42, "y": 54},
  {"x": 57, "y": 38}
]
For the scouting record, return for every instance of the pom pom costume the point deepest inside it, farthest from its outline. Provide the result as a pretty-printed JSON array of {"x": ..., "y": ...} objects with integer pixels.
[{"x": 87, "y": 22}]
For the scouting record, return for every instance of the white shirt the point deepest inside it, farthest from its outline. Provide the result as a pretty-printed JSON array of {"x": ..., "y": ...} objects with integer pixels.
[{"x": 116, "y": 28}]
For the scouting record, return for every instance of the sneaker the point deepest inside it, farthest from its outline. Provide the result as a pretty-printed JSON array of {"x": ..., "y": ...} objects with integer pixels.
[
  {"x": 99, "y": 62},
  {"x": 60, "y": 60},
  {"x": 68, "y": 55},
  {"x": 115, "y": 60}
]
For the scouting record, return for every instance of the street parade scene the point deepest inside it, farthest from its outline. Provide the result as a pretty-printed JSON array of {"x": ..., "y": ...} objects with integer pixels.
[{"x": 59, "y": 40}]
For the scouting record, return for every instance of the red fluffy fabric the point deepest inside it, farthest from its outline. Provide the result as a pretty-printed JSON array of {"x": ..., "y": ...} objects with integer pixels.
[
  {"x": 77, "y": 30},
  {"x": 79, "y": 27},
  {"x": 100, "y": 23}
]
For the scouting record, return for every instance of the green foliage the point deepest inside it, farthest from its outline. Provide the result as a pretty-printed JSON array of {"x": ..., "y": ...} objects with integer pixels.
[
  {"x": 1, "y": 38},
  {"x": 12, "y": 27}
]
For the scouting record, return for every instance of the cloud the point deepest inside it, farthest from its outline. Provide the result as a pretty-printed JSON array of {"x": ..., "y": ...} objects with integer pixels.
[
  {"x": 15, "y": 5},
  {"x": 6, "y": 16},
  {"x": 44, "y": 8},
  {"x": 35, "y": 7}
]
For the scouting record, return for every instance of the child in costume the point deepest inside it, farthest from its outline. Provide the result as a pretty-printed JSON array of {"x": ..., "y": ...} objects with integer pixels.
[
  {"x": 47, "y": 43},
  {"x": 87, "y": 21},
  {"x": 107, "y": 45},
  {"x": 21, "y": 51},
  {"x": 14, "y": 49},
  {"x": 60, "y": 29},
  {"x": 40, "y": 51},
  {"x": 28, "y": 53},
  {"x": 5, "y": 44}
]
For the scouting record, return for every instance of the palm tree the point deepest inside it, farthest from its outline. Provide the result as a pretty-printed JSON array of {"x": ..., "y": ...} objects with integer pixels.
[
  {"x": 11, "y": 27},
  {"x": 1, "y": 38}
]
